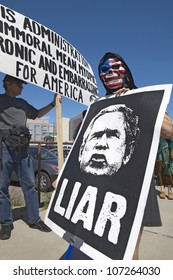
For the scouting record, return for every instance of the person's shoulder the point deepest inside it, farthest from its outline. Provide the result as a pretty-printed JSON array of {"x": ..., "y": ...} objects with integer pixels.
[
  {"x": 2, "y": 96},
  {"x": 22, "y": 100},
  {"x": 25, "y": 103}
]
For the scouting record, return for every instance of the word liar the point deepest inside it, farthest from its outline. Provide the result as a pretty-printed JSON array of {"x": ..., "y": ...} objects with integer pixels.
[{"x": 89, "y": 202}]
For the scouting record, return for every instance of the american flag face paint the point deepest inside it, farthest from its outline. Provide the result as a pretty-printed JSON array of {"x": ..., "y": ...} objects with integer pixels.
[{"x": 112, "y": 73}]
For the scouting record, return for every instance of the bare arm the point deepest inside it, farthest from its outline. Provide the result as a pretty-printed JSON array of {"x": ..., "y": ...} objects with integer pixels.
[
  {"x": 43, "y": 111},
  {"x": 167, "y": 127}
]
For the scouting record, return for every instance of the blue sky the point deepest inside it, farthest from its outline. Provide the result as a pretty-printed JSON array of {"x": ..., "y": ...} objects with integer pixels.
[{"x": 140, "y": 31}]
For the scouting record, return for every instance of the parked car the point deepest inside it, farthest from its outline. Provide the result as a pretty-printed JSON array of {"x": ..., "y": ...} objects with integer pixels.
[
  {"x": 65, "y": 151},
  {"x": 49, "y": 146},
  {"x": 49, "y": 168}
]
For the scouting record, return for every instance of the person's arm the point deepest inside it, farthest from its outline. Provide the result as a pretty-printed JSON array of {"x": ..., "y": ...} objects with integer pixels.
[
  {"x": 167, "y": 127},
  {"x": 171, "y": 154},
  {"x": 54, "y": 183},
  {"x": 43, "y": 111}
]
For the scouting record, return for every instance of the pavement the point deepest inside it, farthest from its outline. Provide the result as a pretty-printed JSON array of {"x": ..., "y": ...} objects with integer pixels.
[{"x": 30, "y": 244}]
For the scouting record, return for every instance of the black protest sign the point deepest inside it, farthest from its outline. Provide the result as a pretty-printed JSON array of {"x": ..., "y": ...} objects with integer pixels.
[
  {"x": 36, "y": 54},
  {"x": 102, "y": 190}
]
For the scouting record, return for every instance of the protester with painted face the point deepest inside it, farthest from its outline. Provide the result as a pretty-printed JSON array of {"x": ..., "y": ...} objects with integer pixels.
[
  {"x": 117, "y": 79},
  {"x": 114, "y": 73}
]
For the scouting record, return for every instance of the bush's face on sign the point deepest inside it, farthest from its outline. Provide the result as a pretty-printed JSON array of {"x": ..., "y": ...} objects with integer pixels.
[
  {"x": 112, "y": 73},
  {"x": 105, "y": 147}
]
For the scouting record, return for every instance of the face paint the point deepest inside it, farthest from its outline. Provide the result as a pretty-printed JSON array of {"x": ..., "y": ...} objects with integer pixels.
[{"x": 112, "y": 73}]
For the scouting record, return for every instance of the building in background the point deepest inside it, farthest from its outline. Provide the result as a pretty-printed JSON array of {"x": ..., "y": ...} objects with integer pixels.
[
  {"x": 39, "y": 129},
  {"x": 73, "y": 125},
  {"x": 42, "y": 130}
]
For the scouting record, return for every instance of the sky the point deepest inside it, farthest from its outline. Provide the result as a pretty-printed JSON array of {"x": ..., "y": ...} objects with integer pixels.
[{"x": 140, "y": 31}]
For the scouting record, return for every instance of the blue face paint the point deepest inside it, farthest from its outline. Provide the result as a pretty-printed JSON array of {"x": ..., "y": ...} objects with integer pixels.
[{"x": 104, "y": 67}]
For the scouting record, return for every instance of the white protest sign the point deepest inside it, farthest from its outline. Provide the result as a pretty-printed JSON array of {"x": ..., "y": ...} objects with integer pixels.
[{"x": 38, "y": 55}]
